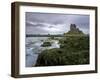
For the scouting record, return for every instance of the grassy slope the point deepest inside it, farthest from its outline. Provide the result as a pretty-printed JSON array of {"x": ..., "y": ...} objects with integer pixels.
[{"x": 73, "y": 50}]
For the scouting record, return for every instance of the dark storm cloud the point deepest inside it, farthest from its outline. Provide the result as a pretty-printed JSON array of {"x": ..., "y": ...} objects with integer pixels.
[
  {"x": 30, "y": 24},
  {"x": 54, "y": 23},
  {"x": 46, "y": 17}
]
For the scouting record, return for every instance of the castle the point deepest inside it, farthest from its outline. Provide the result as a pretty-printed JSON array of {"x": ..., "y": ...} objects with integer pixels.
[
  {"x": 74, "y": 30},
  {"x": 73, "y": 27}
]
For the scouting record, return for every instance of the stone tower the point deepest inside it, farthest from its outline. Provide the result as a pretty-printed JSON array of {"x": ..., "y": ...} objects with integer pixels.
[
  {"x": 72, "y": 27},
  {"x": 74, "y": 30}
]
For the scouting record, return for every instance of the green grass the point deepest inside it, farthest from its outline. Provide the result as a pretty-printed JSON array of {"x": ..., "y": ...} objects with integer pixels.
[{"x": 73, "y": 51}]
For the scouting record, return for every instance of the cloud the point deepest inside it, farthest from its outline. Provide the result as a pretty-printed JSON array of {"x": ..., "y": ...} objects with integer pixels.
[
  {"x": 49, "y": 23},
  {"x": 34, "y": 24},
  {"x": 41, "y": 28}
]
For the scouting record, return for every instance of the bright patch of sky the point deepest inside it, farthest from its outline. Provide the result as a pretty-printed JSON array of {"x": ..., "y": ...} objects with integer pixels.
[{"x": 54, "y": 23}]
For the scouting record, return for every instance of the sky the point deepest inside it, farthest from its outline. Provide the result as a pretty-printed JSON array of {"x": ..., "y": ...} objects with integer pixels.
[{"x": 54, "y": 23}]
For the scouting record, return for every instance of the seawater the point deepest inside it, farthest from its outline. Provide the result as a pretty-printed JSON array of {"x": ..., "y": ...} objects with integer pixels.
[{"x": 34, "y": 48}]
